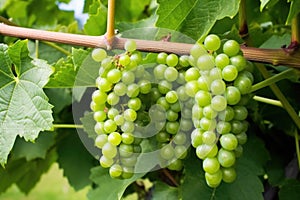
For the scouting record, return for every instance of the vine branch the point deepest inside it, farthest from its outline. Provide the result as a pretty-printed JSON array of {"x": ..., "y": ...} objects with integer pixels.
[
  {"x": 272, "y": 56},
  {"x": 110, "y": 30}
]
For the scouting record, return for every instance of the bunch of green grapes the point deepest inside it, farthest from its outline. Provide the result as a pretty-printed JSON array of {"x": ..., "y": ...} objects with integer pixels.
[
  {"x": 134, "y": 102},
  {"x": 219, "y": 83}
]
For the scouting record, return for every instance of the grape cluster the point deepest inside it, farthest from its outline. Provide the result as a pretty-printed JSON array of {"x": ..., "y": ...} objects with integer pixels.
[
  {"x": 174, "y": 102},
  {"x": 219, "y": 83},
  {"x": 135, "y": 101}
]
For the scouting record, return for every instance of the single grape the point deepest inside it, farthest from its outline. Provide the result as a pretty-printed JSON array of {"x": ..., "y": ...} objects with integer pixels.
[
  {"x": 228, "y": 141},
  {"x": 191, "y": 88},
  {"x": 99, "y": 97},
  {"x": 125, "y": 150},
  {"x": 231, "y": 48},
  {"x": 101, "y": 140},
  {"x": 167, "y": 152},
  {"x": 192, "y": 74},
  {"x": 229, "y": 73},
  {"x": 212, "y": 42},
  {"x": 134, "y": 103},
  {"x": 208, "y": 124},
  {"x": 172, "y": 127},
  {"x": 209, "y": 112},
  {"x": 180, "y": 151},
  {"x": 171, "y": 74},
  {"x": 203, "y": 98},
  {"x": 127, "y": 138},
  {"x": 171, "y": 97},
  {"x": 184, "y": 61},
  {"x": 130, "y": 45},
  {"x": 218, "y": 103},
  {"x": 128, "y": 77},
  {"x": 232, "y": 95},
  {"x": 99, "y": 116},
  {"x": 244, "y": 84},
  {"x": 115, "y": 171},
  {"x": 213, "y": 180},
  {"x": 172, "y": 60},
  {"x": 133, "y": 90},
  {"x": 113, "y": 99},
  {"x": 226, "y": 158},
  {"x": 114, "y": 75},
  {"x": 222, "y": 60},
  {"x": 110, "y": 126},
  {"x": 211, "y": 165},
  {"x": 109, "y": 150},
  {"x": 114, "y": 138},
  {"x": 205, "y": 62},
  {"x": 240, "y": 112},
  {"x": 223, "y": 127},
  {"x": 120, "y": 89},
  {"x": 175, "y": 165},
  {"x": 218, "y": 87},
  {"x": 228, "y": 174},
  {"x": 197, "y": 50},
  {"x": 239, "y": 61},
  {"x": 119, "y": 120},
  {"x": 124, "y": 60},
  {"x": 227, "y": 114},
  {"x": 159, "y": 71},
  {"x": 209, "y": 137},
  {"x": 103, "y": 84},
  {"x": 98, "y": 54},
  {"x": 106, "y": 162},
  {"x": 130, "y": 115},
  {"x": 161, "y": 58}
]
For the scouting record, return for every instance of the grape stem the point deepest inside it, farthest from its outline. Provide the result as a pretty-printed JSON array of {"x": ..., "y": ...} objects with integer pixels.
[
  {"x": 273, "y": 56},
  {"x": 297, "y": 147},
  {"x": 54, "y": 126},
  {"x": 110, "y": 30},
  {"x": 268, "y": 101},
  {"x": 170, "y": 177},
  {"x": 289, "y": 73},
  {"x": 287, "y": 106},
  {"x": 243, "y": 27}
]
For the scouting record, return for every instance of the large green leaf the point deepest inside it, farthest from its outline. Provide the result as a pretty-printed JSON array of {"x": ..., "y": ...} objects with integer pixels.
[
  {"x": 24, "y": 107},
  {"x": 163, "y": 191},
  {"x": 290, "y": 190},
  {"x": 131, "y": 10},
  {"x": 38, "y": 149},
  {"x": 194, "y": 18},
  {"x": 247, "y": 186},
  {"x": 74, "y": 159},
  {"x": 108, "y": 188},
  {"x": 294, "y": 10},
  {"x": 96, "y": 23}
]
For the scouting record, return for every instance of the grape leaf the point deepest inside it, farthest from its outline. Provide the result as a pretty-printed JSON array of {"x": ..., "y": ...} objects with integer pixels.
[
  {"x": 89, "y": 124},
  {"x": 108, "y": 188},
  {"x": 163, "y": 191},
  {"x": 247, "y": 186},
  {"x": 131, "y": 10},
  {"x": 194, "y": 18},
  {"x": 263, "y": 3},
  {"x": 24, "y": 107},
  {"x": 96, "y": 23},
  {"x": 294, "y": 10},
  {"x": 74, "y": 159},
  {"x": 25, "y": 174},
  {"x": 290, "y": 190},
  {"x": 38, "y": 149},
  {"x": 144, "y": 23},
  {"x": 59, "y": 98}
]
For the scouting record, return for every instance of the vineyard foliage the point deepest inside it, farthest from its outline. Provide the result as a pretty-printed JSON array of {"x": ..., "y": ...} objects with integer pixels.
[{"x": 41, "y": 86}]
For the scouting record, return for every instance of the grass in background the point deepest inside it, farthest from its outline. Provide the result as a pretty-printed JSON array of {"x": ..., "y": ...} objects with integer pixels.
[{"x": 52, "y": 186}]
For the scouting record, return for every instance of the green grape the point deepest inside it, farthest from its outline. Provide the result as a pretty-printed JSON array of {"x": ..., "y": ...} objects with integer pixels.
[
  {"x": 96, "y": 107},
  {"x": 212, "y": 42},
  {"x": 197, "y": 112},
  {"x": 180, "y": 151},
  {"x": 127, "y": 138},
  {"x": 180, "y": 138},
  {"x": 239, "y": 61},
  {"x": 222, "y": 60},
  {"x": 228, "y": 174},
  {"x": 218, "y": 103},
  {"x": 161, "y": 58},
  {"x": 244, "y": 84},
  {"x": 130, "y": 45},
  {"x": 130, "y": 115},
  {"x": 124, "y": 60},
  {"x": 204, "y": 83},
  {"x": 181, "y": 78},
  {"x": 203, "y": 98},
  {"x": 240, "y": 112},
  {"x": 110, "y": 126},
  {"x": 192, "y": 74},
  {"x": 196, "y": 137},
  {"x": 109, "y": 150},
  {"x": 218, "y": 87},
  {"x": 205, "y": 62},
  {"x": 133, "y": 90},
  {"x": 204, "y": 150},
  {"x": 103, "y": 84},
  {"x": 135, "y": 103},
  {"x": 127, "y": 127},
  {"x": 227, "y": 114},
  {"x": 208, "y": 124},
  {"x": 228, "y": 141},
  {"x": 171, "y": 97},
  {"x": 145, "y": 86},
  {"x": 127, "y": 172},
  {"x": 101, "y": 140},
  {"x": 176, "y": 107},
  {"x": 113, "y": 99},
  {"x": 162, "y": 137},
  {"x": 106, "y": 162},
  {"x": 172, "y": 60},
  {"x": 232, "y": 95},
  {"x": 99, "y": 116},
  {"x": 99, "y": 97},
  {"x": 175, "y": 165},
  {"x": 164, "y": 86},
  {"x": 114, "y": 138},
  {"x": 171, "y": 115},
  {"x": 120, "y": 89},
  {"x": 226, "y": 158},
  {"x": 231, "y": 48},
  {"x": 106, "y": 64},
  {"x": 115, "y": 171},
  {"x": 119, "y": 120},
  {"x": 167, "y": 152},
  {"x": 112, "y": 113},
  {"x": 211, "y": 165},
  {"x": 136, "y": 57},
  {"x": 229, "y": 73},
  {"x": 197, "y": 50},
  {"x": 129, "y": 161},
  {"x": 171, "y": 74},
  {"x": 125, "y": 150},
  {"x": 184, "y": 61},
  {"x": 241, "y": 137},
  {"x": 128, "y": 77},
  {"x": 215, "y": 73},
  {"x": 114, "y": 75},
  {"x": 237, "y": 126},
  {"x": 209, "y": 112},
  {"x": 191, "y": 88},
  {"x": 223, "y": 127},
  {"x": 159, "y": 71},
  {"x": 98, "y": 54},
  {"x": 172, "y": 127},
  {"x": 99, "y": 128},
  {"x": 209, "y": 137},
  {"x": 163, "y": 103},
  {"x": 186, "y": 124},
  {"x": 213, "y": 180}
]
